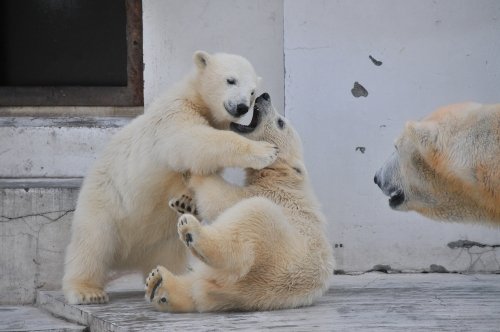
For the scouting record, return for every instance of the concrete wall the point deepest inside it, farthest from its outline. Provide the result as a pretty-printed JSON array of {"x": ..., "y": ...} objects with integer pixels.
[
  {"x": 34, "y": 232},
  {"x": 173, "y": 30},
  {"x": 432, "y": 53}
]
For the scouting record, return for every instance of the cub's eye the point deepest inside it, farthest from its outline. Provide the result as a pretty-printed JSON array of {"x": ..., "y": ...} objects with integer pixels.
[
  {"x": 231, "y": 81},
  {"x": 253, "y": 92},
  {"x": 281, "y": 123}
]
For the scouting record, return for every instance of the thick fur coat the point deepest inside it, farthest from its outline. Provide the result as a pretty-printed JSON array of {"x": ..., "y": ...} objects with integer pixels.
[
  {"x": 266, "y": 247},
  {"x": 447, "y": 166},
  {"x": 122, "y": 219}
]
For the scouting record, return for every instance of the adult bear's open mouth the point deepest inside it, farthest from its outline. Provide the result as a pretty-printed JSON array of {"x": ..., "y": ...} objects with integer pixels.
[
  {"x": 245, "y": 129},
  {"x": 396, "y": 198}
]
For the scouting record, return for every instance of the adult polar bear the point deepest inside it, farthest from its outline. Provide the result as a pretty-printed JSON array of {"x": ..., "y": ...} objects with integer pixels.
[
  {"x": 447, "y": 166},
  {"x": 122, "y": 218},
  {"x": 266, "y": 248}
]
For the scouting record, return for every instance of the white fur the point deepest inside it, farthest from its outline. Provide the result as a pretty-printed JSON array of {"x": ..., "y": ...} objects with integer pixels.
[
  {"x": 266, "y": 248},
  {"x": 122, "y": 219}
]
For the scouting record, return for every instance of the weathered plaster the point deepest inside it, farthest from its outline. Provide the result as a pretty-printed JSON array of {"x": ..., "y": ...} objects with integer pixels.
[
  {"x": 34, "y": 231},
  {"x": 53, "y": 147}
]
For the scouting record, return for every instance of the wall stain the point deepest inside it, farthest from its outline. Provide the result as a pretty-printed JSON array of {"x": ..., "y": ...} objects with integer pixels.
[
  {"x": 435, "y": 268},
  {"x": 469, "y": 244},
  {"x": 383, "y": 268},
  {"x": 481, "y": 255},
  {"x": 375, "y": 61},
  {"x": 361, "y": 149},
  {"x": 358, "y": 90}
]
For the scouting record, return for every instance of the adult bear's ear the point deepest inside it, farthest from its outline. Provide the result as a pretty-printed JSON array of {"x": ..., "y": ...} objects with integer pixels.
[
  {"x": 423, "y": 134},
  {"x": 201, "y": 59}
]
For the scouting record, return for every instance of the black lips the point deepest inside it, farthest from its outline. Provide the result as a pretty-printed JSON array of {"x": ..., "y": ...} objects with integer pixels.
[
  {"x": 245, "y": 129},
  {"x": 397, "y": 199}
]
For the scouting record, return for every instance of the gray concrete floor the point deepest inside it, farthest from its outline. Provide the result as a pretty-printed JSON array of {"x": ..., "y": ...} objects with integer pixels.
[{"x": 372, "y": 301}]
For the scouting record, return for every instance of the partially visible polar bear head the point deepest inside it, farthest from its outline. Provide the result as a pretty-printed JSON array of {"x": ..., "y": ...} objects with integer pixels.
[
  {"x": 226, "y": 83},
  {"x": 268, "y": 125},
  {"x": 447, "y": 166}
]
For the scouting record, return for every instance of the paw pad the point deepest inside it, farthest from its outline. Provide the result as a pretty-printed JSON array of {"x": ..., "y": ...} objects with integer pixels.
[{"x": 188, "y": 238}]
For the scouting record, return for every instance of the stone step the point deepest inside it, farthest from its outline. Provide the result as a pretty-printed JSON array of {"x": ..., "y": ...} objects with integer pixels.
[
  {"x": 369, "y": 302},
  {"x": 53, "y": 146},
  {"x": 27, "y": 318}
]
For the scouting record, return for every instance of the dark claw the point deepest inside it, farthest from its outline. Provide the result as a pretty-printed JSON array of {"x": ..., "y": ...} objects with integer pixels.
[{"x": 154, "y": 290}]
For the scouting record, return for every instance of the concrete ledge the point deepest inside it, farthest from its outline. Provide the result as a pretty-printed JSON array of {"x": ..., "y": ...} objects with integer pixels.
[
  {"x": 372, "y": 301},
  {"x": 54, "y": 146},
  {"x": 76, "y": 121},
  {"x": 21, "y": 318},
  {"x": 46, "y": 183},
  {"x": 80, "y": 111}
]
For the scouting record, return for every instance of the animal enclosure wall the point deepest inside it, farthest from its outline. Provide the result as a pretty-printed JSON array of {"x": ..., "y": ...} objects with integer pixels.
[
  {"x": 424, "y": 54},
  {"x": 310, "y": 54}
]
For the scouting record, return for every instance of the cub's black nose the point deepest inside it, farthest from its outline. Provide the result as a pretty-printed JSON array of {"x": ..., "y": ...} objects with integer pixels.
[
  {"x": 266, "y": 96},
  {"x": 241, "y": 109},
  {"x": 375, "y": 179}
]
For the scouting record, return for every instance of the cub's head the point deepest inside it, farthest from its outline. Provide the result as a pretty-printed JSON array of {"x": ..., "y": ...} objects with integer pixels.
[
  {"x": 268, "y": 125},
  {"x": 446, "y": 166},
  {"x": 226, "y": 83}
]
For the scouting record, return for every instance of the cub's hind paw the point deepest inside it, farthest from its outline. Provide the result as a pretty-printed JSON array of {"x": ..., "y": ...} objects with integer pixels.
[
  {"x": 188, "y": 227},
  {"x": 184, "y": 204},
  {"x": 156, "y": 292}
]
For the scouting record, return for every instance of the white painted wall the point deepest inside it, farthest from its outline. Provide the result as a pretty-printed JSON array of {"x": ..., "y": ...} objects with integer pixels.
[
  {"x": 174, "y": 30},
  {"x": 433, "y": 53}
]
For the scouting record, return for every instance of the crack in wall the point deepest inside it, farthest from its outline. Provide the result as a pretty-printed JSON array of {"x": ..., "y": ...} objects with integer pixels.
[
  {"x": 476, "y": 252},
  {"x": 42, "y": 214},
  {"x": 35, "y": 228}
]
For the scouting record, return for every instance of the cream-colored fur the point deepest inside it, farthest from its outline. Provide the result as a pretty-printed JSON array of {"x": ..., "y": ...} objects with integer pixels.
[
  {"x": 122, "y": 219},
  {"x": 266, "y": 247},
  {"x": 447, "y": 166}
]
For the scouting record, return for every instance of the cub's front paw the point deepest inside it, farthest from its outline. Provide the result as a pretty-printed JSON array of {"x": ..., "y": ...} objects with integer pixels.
[
  {"x": 156, "y": 292},
  {"x": 182, "y": 205},
  {"x": 188, "y": 228},
  {"x": 263, "y": 155}
]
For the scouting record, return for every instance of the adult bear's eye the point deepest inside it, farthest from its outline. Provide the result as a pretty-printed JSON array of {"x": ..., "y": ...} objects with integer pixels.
[
  {"x": 253, "y": 92},
  {"x": 281, "y": 123},
  {"x": 231, "y": 81}
]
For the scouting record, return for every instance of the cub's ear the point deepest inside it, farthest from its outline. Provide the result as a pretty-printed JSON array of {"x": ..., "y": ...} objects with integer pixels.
[
  {"x": 201, "y": 59},
  {"x": 424, "y": 134}
]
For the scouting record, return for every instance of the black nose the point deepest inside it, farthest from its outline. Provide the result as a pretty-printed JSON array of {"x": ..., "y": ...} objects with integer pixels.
[
  {"x": 266, "y": 96},
  {"x": 375, "y": 179},
  {"x": 241, "y": 109}
]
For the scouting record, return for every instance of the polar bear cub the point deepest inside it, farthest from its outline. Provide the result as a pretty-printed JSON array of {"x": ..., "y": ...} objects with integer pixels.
[
  {"x": 266, "y": 247},
  {"x": 122, "y": 219}
]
